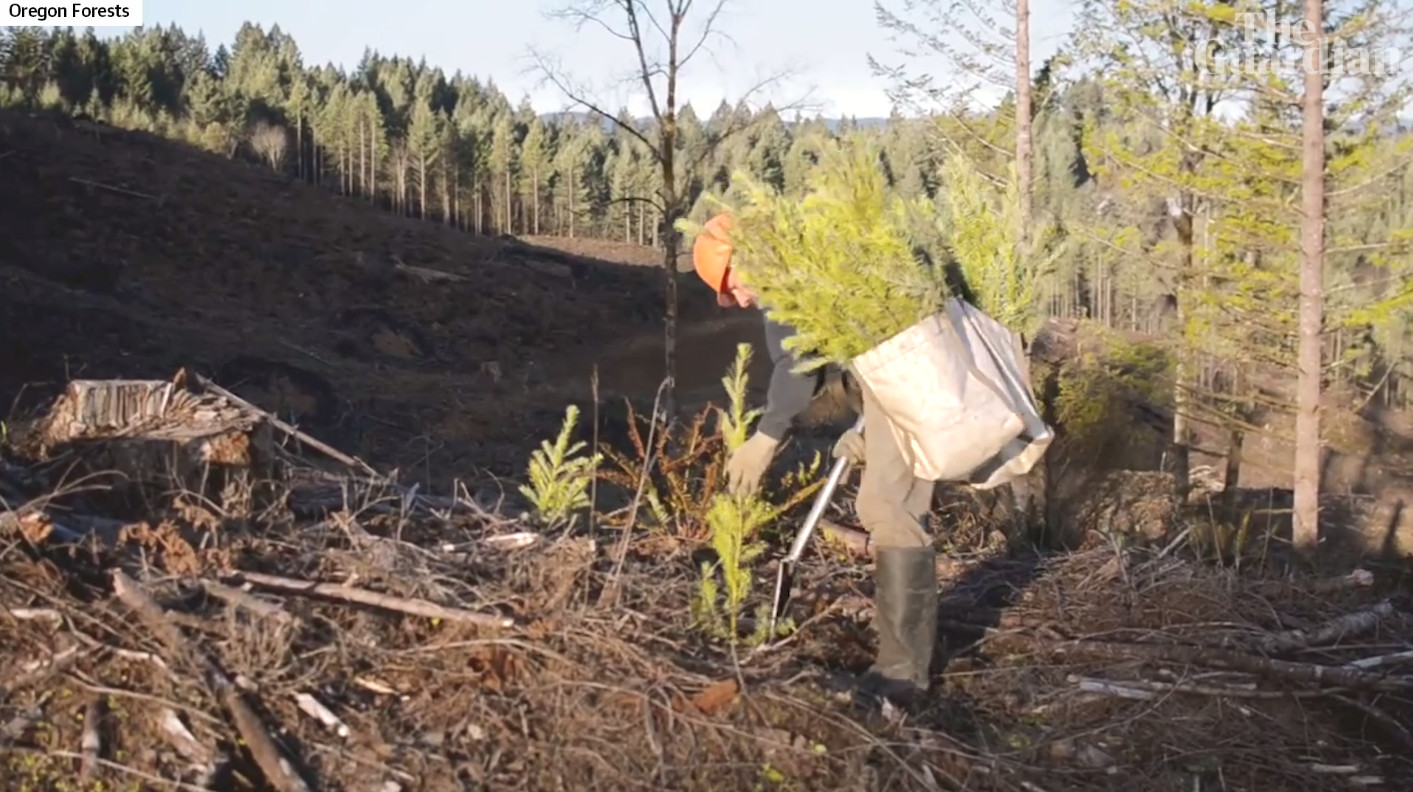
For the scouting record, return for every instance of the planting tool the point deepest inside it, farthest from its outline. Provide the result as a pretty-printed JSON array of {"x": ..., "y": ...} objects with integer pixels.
[{"x": 784, "y": 579}]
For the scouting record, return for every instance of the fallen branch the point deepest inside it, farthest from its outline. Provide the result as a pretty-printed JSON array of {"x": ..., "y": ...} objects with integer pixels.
[
  {"x": 262, "y": 748},
  {"x": 37, "y": 670},
  {"x": 1331, "y": 631},
  {"x": 181, "y": 737},
  {"x": 1374, "y": 662},
  {"x": 312, "y": 442},
  {"x": 1143, "y": 689},
  {"x": 154, "y": 781},
  {"x": 511, "y": 541},
  {"x": 25, "y": 614},
  {"x": 1328, "y": 769},
  {"x": 112, "y": 189},
  {"x": 414, "y": 607},
  {"x": 91, "y": 743},
  {"x": 427, "y": 274},
  {"x": 375, "y": 686},
  {"x": 206, "y": 764},
  {"x": 315, "y": 709},
  {"x": 243, "y": 599},
  {"x": 307, "y": 353},
  {"x": 1394, "y": 726},
  {"x": 1359, "y": 578},
  {"x": 1310, "y": 673}
]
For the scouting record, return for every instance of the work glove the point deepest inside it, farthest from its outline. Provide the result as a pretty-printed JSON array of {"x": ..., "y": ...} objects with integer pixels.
[
  {"x": 850, "y": 446},
  {"x": 746, "y": 466}
]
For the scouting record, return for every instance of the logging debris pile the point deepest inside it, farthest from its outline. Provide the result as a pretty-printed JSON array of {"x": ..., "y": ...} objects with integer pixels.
[{"x": 185, "y": 601}]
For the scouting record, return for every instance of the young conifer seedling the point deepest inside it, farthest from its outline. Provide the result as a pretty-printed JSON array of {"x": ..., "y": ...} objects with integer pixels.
[
  {"x": 559, "y": 479},
  {"x": 734, "y": 520}
]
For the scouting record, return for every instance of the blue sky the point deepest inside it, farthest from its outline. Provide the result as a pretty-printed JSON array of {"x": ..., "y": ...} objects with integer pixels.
[{"x": 825, "y": 42}]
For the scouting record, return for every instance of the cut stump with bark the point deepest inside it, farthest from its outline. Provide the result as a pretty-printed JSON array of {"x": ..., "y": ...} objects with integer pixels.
[{"x": 158, "y": 433}]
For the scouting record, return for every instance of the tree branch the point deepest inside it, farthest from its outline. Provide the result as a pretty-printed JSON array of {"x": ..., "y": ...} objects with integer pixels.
[
  {"x": 554, "y": 77},
  {"x": 630, "y": 9},
  {"x": 708, "y": 29}
]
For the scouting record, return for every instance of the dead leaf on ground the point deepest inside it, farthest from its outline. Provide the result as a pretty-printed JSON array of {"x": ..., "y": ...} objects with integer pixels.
[
  {"x": 35, "y": 528},
  {"x": 717, "y": 697}
]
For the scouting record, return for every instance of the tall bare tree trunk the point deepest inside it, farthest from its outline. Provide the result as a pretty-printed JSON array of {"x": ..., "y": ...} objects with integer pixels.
[
  {"x": 509, "y": 204},
  {"x": 422, "y": 185},
  {"x": 299, "y": 146},
  {"x": 448, "y": 199},
  {"x": 1306, "y": 530},
  {"x": 573, "y": 188},
  {"x": 402, "y": 167},
  {"x": 1182, "y": 212},
  {"x": 1023, "y": 115}
]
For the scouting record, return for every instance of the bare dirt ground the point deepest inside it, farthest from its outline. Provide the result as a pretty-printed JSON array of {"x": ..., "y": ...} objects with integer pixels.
[
  {"x": 196, "y": 600},
  {"x": 122, "y": 254}
]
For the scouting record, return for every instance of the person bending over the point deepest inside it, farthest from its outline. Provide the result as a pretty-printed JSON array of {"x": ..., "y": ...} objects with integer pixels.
[{"x": 892, "y": 503}]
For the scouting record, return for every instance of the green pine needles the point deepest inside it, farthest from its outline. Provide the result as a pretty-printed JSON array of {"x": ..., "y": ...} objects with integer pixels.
[
  {"x": 838, "y": 266},
  {"x": 980, "y": 223},
  {"x": 736, "y": 420},
  {"x": 735, "y": 523},
  {"x": 559, "y": 478},
  {"x": 842, "y": 265}
]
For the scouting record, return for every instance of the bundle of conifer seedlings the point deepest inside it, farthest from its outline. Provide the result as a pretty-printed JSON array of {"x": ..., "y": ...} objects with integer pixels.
[
  {"x": 846, "y": 267},
  {"x": 841, "y": 265}
]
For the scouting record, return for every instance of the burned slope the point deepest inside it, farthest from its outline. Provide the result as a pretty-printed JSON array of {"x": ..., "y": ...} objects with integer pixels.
[{"x": 125, "y": 254}]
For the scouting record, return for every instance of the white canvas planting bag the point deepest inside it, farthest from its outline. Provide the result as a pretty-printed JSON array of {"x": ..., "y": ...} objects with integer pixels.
[{"x": 955, "y": 388}]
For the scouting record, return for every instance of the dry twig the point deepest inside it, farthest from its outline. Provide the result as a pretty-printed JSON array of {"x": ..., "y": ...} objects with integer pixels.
[
  {"x": 414, "y": 607},
  {"x": 312, "y": 442},
  {"x": 112, "y": 189},
  {"x": 262, "y": 748},
  {"x": 1310, "y": 673},
  {"x": 245, "y": 600}
]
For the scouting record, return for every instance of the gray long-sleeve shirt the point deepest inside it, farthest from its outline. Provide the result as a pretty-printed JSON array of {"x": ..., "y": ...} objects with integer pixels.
[{"x": 789, "y": 393}]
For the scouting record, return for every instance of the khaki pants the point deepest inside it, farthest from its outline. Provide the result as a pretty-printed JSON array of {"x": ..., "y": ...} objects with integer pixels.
[{"x": 892, "y": 503}]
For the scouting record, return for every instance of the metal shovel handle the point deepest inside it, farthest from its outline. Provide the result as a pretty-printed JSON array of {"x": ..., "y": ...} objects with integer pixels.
[
  {"x": 821, "y": 502},
  {"x": 785, "y": 577}
]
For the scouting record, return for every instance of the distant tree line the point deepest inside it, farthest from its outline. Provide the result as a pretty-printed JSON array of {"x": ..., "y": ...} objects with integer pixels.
[{"x": 402, "y": 134}]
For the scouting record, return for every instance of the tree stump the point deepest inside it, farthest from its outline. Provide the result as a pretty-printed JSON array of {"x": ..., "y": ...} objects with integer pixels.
[{"x": 160, "y": 435}]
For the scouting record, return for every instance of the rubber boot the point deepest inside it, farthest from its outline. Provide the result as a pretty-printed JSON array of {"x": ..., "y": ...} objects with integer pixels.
[{"x": 905, "y": 617}]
